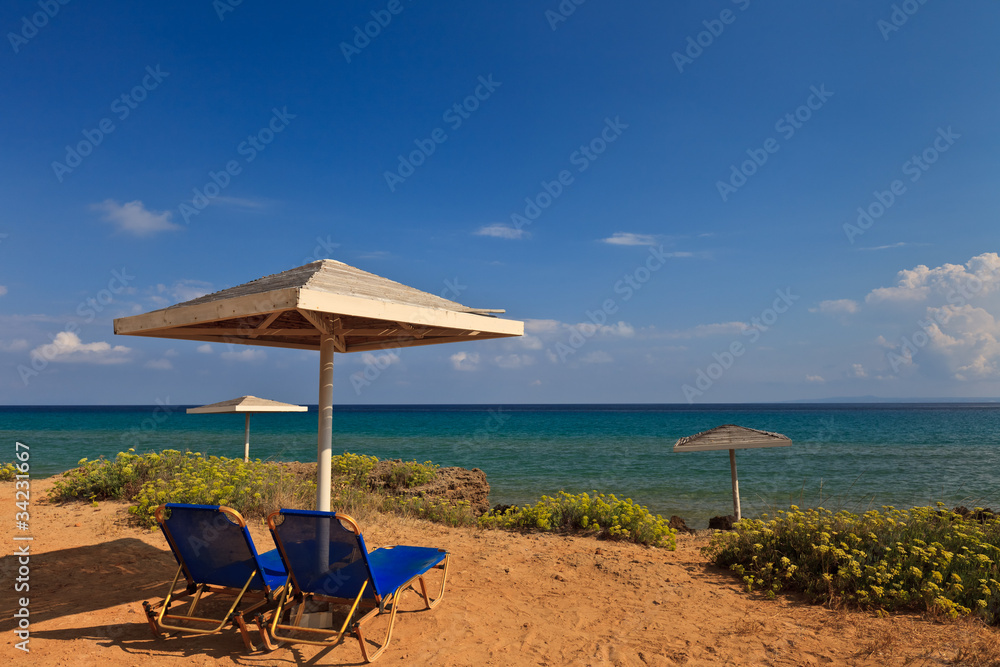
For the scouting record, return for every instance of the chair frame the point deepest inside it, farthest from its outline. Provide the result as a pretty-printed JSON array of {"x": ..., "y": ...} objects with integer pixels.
[
  {"x": 157, "y": 614},
  {"x": 293, "y": 595}
]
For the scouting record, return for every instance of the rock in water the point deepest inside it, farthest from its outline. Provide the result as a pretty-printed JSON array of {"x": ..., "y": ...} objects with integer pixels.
[
  {"x": 722, "y": 522},
  {"x": 678, "y": 524}
]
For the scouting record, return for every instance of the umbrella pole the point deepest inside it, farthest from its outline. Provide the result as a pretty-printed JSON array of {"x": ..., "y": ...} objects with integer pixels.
[
  {"x": 246, "y": 439},
  {"x": 325, "y": 441},
  {"x": 736, "y": 484}
]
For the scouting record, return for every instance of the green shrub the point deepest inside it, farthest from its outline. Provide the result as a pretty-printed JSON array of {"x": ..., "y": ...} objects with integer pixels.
[
  {"x": 605, "y": 515},
  {"x": 7, "y": 472},
  {"x": 120, "y": 479},
  {"x": 353, "y": 468},
  {"x": 924, "y": 558},
  {"x": 253, "y": 488},
  {"x": 407, "y": 474}
]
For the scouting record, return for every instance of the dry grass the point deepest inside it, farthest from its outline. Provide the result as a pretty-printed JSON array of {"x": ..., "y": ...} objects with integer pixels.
[{"x": 982, "y": 651}]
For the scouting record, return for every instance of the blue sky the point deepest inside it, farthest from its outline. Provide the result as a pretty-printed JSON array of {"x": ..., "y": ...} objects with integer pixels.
[{"x": 705, "y": 202}]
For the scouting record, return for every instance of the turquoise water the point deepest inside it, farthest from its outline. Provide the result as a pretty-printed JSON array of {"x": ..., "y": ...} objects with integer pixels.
[{"x": 845, "y": 456}]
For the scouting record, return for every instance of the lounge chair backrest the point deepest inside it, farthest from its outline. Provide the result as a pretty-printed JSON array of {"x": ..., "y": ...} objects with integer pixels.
[
  {"x": 323, "y": 556},
  {"x": 210, "y": 546}
]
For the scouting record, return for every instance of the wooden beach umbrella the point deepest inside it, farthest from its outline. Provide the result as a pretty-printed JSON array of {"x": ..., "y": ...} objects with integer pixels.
[
  {"x": 246, "y": 405},
  {"x": 326, "y": 306},
  {"x": 731, "y": 437}
]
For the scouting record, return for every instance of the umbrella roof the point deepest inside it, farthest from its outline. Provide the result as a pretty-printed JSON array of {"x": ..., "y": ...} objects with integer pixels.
[
  {"x": 361, "y": 310},
  {"x": 246, "y": 404},
  {"x": 730, "y": 436}
]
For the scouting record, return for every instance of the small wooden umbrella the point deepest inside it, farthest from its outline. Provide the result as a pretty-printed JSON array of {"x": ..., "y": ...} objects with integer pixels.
[
  {"x": 247, "y": 405},
  {"x": 731, "y": 437}
]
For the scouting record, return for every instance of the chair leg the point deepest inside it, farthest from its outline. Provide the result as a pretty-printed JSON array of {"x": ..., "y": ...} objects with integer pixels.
[
  {"x": 388, "y": 633},
  {"x": 151, "y": 619},
  {"x": 444, "y": 578},
  {"x": 241, "y": 625}
]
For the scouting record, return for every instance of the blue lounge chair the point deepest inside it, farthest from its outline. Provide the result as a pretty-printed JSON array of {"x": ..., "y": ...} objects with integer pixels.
[
  {"x": 328, "y": 562},
  {"x": 216, "y": 555}
]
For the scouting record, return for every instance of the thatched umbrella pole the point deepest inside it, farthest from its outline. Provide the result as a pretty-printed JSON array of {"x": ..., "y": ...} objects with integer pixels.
[
  {"x": 324, "y": 443},
  {"x": 736, "y": 484}
]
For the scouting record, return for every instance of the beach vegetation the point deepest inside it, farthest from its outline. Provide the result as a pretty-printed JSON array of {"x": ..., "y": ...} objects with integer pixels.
[
  {"x": 353, "y": 468},
  {"x": 605, "y": 516},
  {"x": 257, "y": 487},
  {"x": 7, "y": 472},
  {"x": 925, "y": 558}
]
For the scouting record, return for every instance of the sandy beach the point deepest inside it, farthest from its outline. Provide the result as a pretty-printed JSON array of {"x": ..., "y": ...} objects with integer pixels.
[{"x": 511, "y": 600}]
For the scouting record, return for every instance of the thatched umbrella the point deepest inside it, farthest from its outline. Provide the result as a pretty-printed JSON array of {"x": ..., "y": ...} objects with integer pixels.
[
  {"x": 731, "y": 437},
  {"x": 326, "y": 306},
  {"x": 246, "y": 405}
]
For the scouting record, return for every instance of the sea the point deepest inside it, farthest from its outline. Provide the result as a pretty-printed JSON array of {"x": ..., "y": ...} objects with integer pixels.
[{"x": 851, "y": 457}]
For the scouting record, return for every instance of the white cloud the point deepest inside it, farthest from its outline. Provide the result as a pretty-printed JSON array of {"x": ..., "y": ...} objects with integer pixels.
[
  {"x": 16, "y": 345},
  {"x": 180, "y": 291},
  {"x": 815, "y": 378},
  {"x": 514, "y": 360},
  {"x": 464, "y": 361},
  {"x": 238, "y": 201},
  {"x": 171, "y": 353},
  {"x": 900, "y": 244},
  {"x": 542, "y": 326},
  {"x": 3, "y": 290},
  {"x": 132, "y": 217},
  {"x": 968, "y": 338},
  {"x": 597, "y": 357},
  {"x": 159, "y": 364},
  {"x": 836, "y": 307},
  {"x": 204, "y": 349},
  {"x": 67, "y": 347},
  {"x": 502, "y": 230},
  {"x": 530, "y": 342},
  {"x": 857, "y": 371},
  {"x": 980, "y": 276},
  {"x": 621, "y": 329},
  {"x": 628, "y": 238},
  {"x": 248, "y": 354},
  {"x": 699, "y": 331}
]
